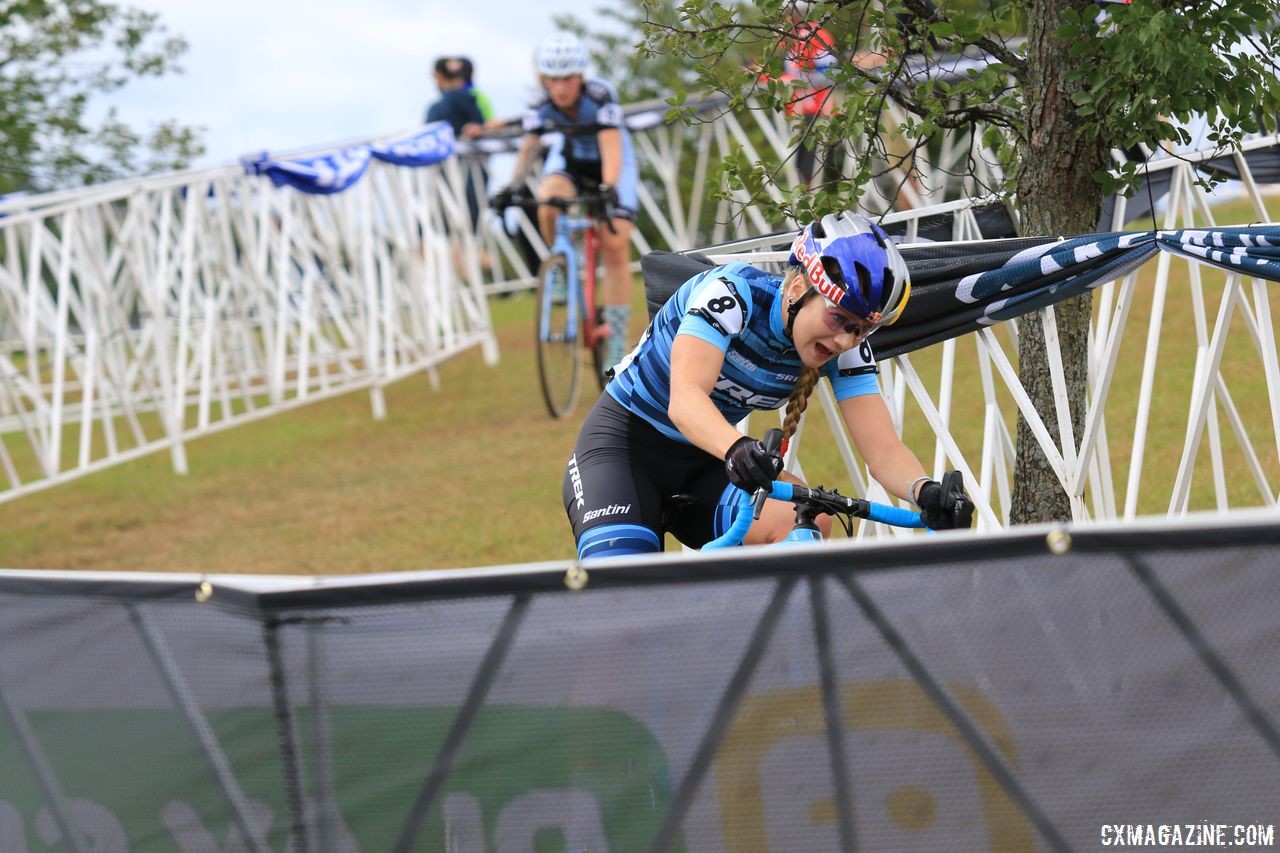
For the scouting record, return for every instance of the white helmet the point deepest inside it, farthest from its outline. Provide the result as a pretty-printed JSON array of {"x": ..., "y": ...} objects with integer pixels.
[{"x": 562, "y": 55}]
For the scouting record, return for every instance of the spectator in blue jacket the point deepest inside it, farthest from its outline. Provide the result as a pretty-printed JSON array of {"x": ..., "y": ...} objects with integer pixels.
[
  {"x": 458, "y": 106},
  {"x": 457, "y": 103}
]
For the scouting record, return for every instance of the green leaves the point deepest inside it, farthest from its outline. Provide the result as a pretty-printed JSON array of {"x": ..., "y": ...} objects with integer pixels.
[
  {"x": 56, "y": 58},
  {"x": 1096, "y": 79}
]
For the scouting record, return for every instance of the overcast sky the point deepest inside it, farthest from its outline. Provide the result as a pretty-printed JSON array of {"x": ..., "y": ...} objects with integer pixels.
[{"x": 286, "y": 74}]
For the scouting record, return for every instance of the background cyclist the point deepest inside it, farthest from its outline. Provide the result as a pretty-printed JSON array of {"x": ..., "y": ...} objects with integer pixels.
[
  {"x": 731, "y": 340},
  {"x": 601, "y": 160}
]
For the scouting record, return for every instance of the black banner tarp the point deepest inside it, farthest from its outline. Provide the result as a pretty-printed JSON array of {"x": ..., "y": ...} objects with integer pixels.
[{"x": 956, "y": 289}]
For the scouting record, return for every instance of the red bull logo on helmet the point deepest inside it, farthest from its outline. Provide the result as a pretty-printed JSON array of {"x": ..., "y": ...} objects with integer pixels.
[{"x": 812, "y": 266}]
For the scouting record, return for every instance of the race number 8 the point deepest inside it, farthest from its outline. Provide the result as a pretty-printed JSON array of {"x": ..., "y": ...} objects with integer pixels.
[{"x": 718, "y": 303}]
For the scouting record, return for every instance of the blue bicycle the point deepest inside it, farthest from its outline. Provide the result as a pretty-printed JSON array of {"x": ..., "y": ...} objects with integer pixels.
[
  {"x": 810, "y": 503},
  {"x": 569, "y": 318}
]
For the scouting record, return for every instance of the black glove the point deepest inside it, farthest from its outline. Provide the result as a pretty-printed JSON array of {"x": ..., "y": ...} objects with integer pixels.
[
  {"x": 945, "y": 505},
  {"x": 505, "y": 197},
  {"x": 608, "y": 200},
  {"x": 750, "y": 466}
]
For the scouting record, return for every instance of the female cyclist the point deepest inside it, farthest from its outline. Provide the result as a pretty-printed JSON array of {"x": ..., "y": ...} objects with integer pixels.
[
  {"x": 599, "y": 160},
  {"x": 731, "y": 340}
]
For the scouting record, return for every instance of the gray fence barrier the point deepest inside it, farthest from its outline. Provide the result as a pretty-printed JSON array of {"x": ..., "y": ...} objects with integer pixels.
[{"x": 949, "y": 692}]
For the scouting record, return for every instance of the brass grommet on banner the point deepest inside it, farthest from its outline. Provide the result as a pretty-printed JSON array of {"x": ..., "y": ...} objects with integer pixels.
[
  {"x": 204, "y": 592},
  {"x": 575, "y": 578},
  {"x": 1059, "y": 542}
]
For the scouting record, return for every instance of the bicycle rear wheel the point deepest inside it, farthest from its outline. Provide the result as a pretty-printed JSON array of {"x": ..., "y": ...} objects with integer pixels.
[{"x": 559, "y": 350}]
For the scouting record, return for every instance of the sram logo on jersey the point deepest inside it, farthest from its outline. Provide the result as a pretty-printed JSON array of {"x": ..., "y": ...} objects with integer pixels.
[
  {"x": 719, "y": 303},
  {"x": 611, "y": 509}
]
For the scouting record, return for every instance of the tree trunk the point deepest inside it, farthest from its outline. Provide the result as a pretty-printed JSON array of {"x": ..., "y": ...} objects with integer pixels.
[{"x": 1057, "y": 196}]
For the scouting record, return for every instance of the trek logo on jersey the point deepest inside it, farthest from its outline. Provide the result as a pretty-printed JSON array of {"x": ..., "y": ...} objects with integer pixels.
[
  {"x": 611, "y": 509},
  {"x": 812, "y": 266},
  {"x": 745, "y": 396},
  {"x": 576, "y": 479}
]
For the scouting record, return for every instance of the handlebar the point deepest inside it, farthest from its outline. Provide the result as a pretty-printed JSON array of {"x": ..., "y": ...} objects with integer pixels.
[
  {"x": 588, "y": 200},
  {"x": 832, "y": 503},
  {"x": 597, "y": 205},
  {"x": 572, "y": 128},
  {"x": 818, "y": 500}
]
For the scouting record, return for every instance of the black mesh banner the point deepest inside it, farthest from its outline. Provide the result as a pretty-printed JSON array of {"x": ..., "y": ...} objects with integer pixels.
[
  {"x": 961, "y": 287},
  {"x": 948, "y": 693}
]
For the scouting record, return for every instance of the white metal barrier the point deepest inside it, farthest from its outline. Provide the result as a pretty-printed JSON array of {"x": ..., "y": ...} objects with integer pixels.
[
  {"x": 1227, "y": 437},
  {"x": 138, "y": 316}
]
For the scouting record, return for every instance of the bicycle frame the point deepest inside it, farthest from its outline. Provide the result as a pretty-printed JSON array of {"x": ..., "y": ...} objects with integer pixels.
[
  {"x": 581, "y": 290},
  {"x": 568, "y": 321}
]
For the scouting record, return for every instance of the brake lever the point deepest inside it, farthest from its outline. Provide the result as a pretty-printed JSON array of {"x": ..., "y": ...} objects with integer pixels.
[
  {"x": 757, "y": 503},
  {"x": 772, "y": 442}
]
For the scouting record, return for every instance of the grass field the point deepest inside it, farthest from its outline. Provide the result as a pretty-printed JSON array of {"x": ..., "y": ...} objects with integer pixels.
[{"x": 469, "y": 474}]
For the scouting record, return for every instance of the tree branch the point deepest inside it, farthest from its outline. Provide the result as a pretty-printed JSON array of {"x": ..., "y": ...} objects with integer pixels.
[
  {"x": 926, "y": 12},
  {"x": 956, "y": 117}
]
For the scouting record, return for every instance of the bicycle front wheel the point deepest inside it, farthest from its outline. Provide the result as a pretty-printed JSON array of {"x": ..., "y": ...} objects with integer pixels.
[
  {"x": 598, "y": 348},
  {"x": 595, "y": 330},
  {"x": 559, "y": 350}
]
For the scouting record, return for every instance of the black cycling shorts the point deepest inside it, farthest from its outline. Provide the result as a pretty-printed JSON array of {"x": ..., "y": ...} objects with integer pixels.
[{"x": 620, "y": 483}]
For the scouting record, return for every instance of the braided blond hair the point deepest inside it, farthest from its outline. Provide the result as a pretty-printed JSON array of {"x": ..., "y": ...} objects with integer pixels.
[
  {"x": 805, "y": 382},
  {"x": 799, "y": 400}
]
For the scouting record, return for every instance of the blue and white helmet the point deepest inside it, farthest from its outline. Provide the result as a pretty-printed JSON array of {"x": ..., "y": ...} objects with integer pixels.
[
  {"x": 562, "y": 55},
  {"x": 851, "y": 261}
]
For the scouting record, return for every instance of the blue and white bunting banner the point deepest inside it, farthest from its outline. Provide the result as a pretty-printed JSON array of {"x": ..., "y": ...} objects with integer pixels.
[
  {"x": 994, "y": 280},
  {"x": 255, "y": 163},
  {"x": 429, "y": 146},
  {"x": 333, "y": 173},
  {"x": 1250, "y": 250},
  {"x": 330, "y": 173}
]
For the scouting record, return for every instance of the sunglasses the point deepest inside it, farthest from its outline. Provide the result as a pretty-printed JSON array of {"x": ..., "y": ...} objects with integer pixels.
[{"x": 840, "y": 323}]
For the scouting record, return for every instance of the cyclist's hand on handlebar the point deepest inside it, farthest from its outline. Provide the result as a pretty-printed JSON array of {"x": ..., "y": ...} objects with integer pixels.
[
  {"x": 609, "y": 205},
  {"x": 507, "y": 197},
  {"x": 945, "y": 505},
  {"x": 609, "y": 199},
  {"x": 750, "y": 466}
]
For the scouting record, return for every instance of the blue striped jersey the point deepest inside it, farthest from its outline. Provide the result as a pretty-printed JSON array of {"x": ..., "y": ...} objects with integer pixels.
[
  {"x": 736, "y": 308},
  {"x": 578, "y": 154}
]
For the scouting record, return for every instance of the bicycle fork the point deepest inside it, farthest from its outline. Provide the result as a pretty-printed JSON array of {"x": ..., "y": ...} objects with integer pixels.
[{"x": 595, "y": 327}]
